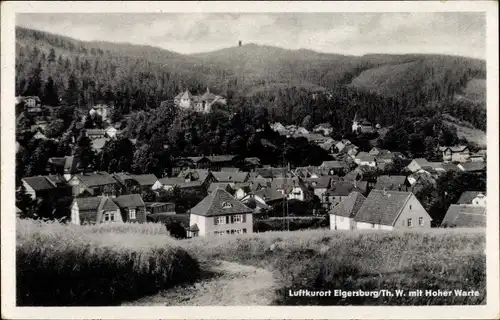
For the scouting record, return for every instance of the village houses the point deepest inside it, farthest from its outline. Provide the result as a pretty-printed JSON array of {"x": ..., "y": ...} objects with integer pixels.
[
  {"x": 220, "y": 213},
  {"x": 455, "y": 154}
]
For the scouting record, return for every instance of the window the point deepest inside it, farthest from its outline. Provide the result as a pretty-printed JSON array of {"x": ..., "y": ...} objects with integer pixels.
[
  {"x": 220, "y": 220},
  {"x": 420, "y": 221},
  {"x": 410, "y": 222},
  {"x": 219, "y": 233},
  {"x": 131, "y": 214},
  {"x": 244, "y": 230},
  {"x": 226, "y": 205},
  {"x": 238, "y": 218},
  {"x": 410, "y": 206},
  {"x": 109, "y": 216}
]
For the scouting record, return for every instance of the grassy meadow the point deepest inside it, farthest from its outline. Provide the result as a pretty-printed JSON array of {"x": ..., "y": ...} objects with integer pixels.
[
  {"x": 445, "y": 259},
  {"x": 103, "y": 265},
  {"x": 69, "y": 265}
]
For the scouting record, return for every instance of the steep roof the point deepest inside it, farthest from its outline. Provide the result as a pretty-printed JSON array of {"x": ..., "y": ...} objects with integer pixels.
[
  {"x": 39, "y": 183},
  {"x": 467, "y": 196},
  {"x": 454, "y": 148},
  {"x": 129, "y": 200},
  {"x": 463, "y": 215},
  {"x": 212, "y": 205},
  {"x": 96, "y": 179},
  {"x": 95, "y": 203},
  {"x": 349, "y": 206},
  {"x": 421, "y": 161},
  {"x": 194, "y": 174},
  {"x": 382, "y": 207},
  {"x": 390, "y": 182},
  {"x": 214, "y": 185},
  {"x": 272, "y": 172}
]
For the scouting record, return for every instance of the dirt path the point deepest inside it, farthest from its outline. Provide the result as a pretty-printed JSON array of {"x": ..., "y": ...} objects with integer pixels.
[{"x": 224, "y": 284}]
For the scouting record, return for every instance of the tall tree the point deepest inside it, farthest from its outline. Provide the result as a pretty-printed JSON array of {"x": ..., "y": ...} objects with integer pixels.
[{"x": 50, "y": 96}]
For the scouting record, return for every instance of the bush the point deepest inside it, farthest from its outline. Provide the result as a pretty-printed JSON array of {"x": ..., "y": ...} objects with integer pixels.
[{"x": 69, "y": 265}]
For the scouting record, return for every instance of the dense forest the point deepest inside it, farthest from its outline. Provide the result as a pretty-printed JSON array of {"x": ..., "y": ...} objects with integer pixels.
[{"x": 290, "y": 84}]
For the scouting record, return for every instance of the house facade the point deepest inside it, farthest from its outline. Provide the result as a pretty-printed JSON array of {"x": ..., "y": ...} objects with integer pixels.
[
  {"x": 95, "y": 210},
  {"x": 220, "y": 214},
  {"x": 455, "y": 154},
  {"x": 389, "y": 210},
  {"x": 44, "y": 186},
  {"x": 342, "y": 216}
]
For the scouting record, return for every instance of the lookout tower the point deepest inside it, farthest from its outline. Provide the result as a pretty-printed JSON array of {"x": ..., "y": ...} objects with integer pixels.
[{"x": 239, "y": 43}]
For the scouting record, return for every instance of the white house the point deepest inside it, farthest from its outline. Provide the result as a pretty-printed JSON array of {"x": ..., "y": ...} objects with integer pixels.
[
  {"x": 342, "y": 216},
  {"x": 111, "y": 131},
  {"x": 219, "y": 213},
  {"x": 475, "y": 198}
]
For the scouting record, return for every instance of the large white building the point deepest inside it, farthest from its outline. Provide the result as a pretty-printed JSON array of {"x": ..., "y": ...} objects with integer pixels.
[{"x": 199, "y": 103}]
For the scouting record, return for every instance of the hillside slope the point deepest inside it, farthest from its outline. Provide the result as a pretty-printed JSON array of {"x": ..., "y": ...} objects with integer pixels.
[{"x": 140, "y": 77}]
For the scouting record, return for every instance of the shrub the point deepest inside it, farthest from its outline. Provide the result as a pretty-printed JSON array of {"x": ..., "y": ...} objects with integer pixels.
[{"x": 69, "y": 265}]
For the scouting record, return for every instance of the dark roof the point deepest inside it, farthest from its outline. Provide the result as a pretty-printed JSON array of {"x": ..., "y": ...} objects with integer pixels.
[
  {"x": 212, "y": 205},
  {"x": 145, "y": 179},
  {"x": 473, "y": 166},
  {"x": 321, "y": 182},
  {"x": 390, "y": 182},
  {"x": 453, "y": 149},
  {"x": 467, "y": 196},
  {"x": 229, "y": 169},
  {"x": 214, "y": 185},
  {"x": 221, "y": 158},
  {"x": 462, "y": 215},
  {"x": 344, "y": 188},
  {"x": 230, "y": 176},
  {"x": 95, "y": 203},
  {"x": 96, "y": 179},
  {"x": 349, "y": 206},
  {"x": 129, "y": 200},
  {"x": 40, "y": 183},
  {"x": 180, "y": 182},
  {"x": 194, "y": 174},
  {"x": 272, "y": 172},
  {"x": 382, "y": 207},
  {"x": 269, "y": 194}
]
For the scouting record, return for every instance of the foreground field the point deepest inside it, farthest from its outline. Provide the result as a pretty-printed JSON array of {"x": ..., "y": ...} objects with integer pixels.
[
  {"x": 444, "y": 259},
  {"x": 67, "y": 265},
  {"x": 110, "y": 265}
]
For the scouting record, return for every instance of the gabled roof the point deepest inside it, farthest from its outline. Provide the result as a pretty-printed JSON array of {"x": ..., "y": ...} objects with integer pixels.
[
  {"x": 463, "y": 215},
  {"x": 382, "y": 207},
  {"x": 96, "y": 178},
  {"x": 95, "y": 203},
  {"x": 194, "y": 174},
  {"x": 212, "y": 205},
  {"x": 472, "y": 166},
  {"x": 269, "y": 194},
  {"x": 129, "y": 200},
  {"x": 253, "y": 160},
  {"x": 344, "y": 188},
  {"x": 334, "y": 164},
  {"x": 453, "y": 149},
  {"x": 39, "y": 183},
  {"x": 467, "y": 196},
  {"x": 318, "y": 183},
  {"x": 230, "y": 176},
  {"x": 214, "y": 185},
  {"x": 221, "y": 158},
  {"x": 272, "y": 172},
  {"x": 421, "y": 161},
  {"x": 145, "y": 179},
  {"x": 365, "y": 156},
  {"x": 390, "y": 182},
  {"x": 349, "y": 206}
]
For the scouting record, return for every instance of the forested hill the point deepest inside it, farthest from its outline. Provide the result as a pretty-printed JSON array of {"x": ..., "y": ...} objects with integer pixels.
[{"x": 140, "y": 77}]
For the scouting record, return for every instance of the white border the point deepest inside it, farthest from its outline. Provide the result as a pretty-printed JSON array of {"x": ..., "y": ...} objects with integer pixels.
[{"x": 9, "y": 311}]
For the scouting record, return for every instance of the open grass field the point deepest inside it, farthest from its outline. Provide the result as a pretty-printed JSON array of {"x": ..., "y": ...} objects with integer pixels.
[
  {"x": 443, "y": 259},
  {"x": 69, "y": 265},
  {"x": 108, "y": 265}
]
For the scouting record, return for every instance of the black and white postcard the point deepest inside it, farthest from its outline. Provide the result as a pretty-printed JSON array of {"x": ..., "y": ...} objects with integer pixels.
[{"x": 229, "y": 160}]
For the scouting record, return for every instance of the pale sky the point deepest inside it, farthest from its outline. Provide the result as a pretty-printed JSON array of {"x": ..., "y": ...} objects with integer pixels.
[{"x": 457, "y": 33}]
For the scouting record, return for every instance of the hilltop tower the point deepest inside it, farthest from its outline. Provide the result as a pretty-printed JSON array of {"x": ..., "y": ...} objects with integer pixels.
[{"x": 239, "y": 43}]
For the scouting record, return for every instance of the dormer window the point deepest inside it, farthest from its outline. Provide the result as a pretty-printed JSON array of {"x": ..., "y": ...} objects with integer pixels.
[{"x": 226, "y": 205}]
